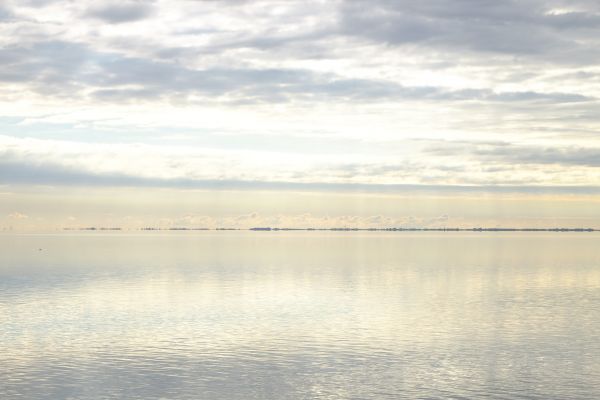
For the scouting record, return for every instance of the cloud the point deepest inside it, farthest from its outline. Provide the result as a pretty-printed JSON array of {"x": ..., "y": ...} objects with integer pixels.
[
  {"x": 68, "y": 69},
  {"x": 442, "y": 166},
  {"x": 120, "y": 12},
  {"x": 266, "y": 91},
  {"x": 576, "y": 20},
  {"x": 5, "y": 13},
  {"x": 17, "y": 215},
  {"x": 575, "y": 156},
  {"x": 512, "y": 28},
  {"x": 510, "y": 154}
]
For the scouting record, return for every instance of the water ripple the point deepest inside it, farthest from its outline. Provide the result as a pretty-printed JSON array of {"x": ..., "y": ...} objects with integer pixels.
[{"x": 284, "y": 318}]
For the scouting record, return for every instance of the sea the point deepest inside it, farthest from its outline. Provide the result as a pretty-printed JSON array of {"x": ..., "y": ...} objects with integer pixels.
[{"x": 300, "y": 315}]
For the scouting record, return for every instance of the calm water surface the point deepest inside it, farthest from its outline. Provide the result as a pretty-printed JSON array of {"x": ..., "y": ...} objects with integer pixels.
[{"x": 259, "y": 315}]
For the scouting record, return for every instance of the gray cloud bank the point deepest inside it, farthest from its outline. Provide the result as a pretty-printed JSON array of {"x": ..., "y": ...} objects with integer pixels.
[
  {"x": 119, "y": 12},
  {"x": 553, "y": 31},
  {"x": 467, "y": 31},
  {"x": 506, "y": 153},
  {"x": 19, "y": 173},
  {"x": 69, "y": 69}
]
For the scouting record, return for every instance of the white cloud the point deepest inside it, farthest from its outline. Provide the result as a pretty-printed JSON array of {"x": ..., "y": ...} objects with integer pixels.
[{"x": 17, "y": 215}]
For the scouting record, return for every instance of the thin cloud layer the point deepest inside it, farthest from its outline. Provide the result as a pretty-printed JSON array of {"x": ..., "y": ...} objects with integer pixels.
[{"x": 441, "y": 163}]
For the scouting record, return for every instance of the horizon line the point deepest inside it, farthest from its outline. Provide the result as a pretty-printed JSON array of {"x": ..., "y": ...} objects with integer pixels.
[{"x": 344, "y": 229}]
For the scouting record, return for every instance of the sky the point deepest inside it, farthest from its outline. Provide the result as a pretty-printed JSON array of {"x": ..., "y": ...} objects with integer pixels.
[{"x": 295, "y": 113}]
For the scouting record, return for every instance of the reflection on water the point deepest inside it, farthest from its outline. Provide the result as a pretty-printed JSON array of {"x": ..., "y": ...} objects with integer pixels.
[{"x": 252, "y": 315}]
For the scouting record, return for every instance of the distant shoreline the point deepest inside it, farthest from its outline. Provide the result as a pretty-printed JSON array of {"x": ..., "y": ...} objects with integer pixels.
[{"x": 271, "y": 229}]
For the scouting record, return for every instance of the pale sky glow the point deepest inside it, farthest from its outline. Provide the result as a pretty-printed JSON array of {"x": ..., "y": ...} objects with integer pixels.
[{"x": 150, "y": 96}]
